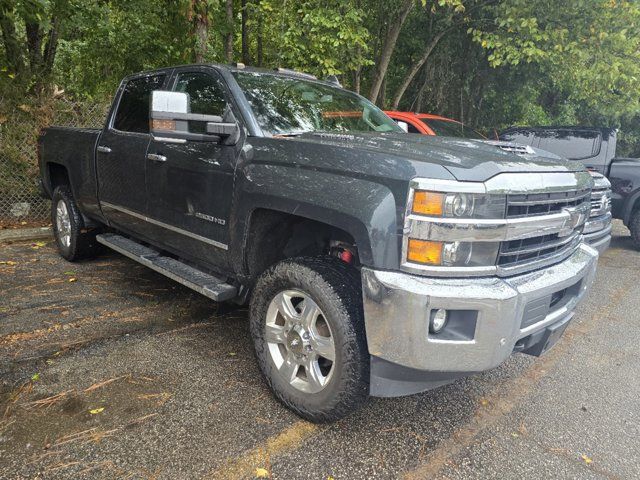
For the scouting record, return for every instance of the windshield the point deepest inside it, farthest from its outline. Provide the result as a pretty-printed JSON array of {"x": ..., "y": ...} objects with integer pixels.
[
  {"x": 448, "y": 128},
  {"x": 290, "y": 106}
]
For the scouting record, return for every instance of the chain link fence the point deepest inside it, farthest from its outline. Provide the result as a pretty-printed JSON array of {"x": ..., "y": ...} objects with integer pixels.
[{"x": 20, "y": 200}]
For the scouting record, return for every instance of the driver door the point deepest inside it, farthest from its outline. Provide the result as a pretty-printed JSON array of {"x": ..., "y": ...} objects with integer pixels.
[{"x": 189, "y": 182}]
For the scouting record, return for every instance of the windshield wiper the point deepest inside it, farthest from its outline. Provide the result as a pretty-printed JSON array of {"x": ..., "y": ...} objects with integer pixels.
[{"x": 292, "y": 134}]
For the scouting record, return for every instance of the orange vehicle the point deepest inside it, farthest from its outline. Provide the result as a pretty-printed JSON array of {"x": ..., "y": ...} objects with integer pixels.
[{"x": 427, "y": 124}]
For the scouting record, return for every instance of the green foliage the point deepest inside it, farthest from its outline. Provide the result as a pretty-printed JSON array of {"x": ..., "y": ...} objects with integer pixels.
[
  {"x": 113, "y": 39},
  {"x": 590, "y": 48},
  {"x": 496, "y": 63},
  {"x": 322, "y": 37}
]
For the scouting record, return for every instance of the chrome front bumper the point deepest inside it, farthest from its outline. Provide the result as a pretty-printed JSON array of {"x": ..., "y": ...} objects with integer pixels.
[{"x": 489, "y": 318}]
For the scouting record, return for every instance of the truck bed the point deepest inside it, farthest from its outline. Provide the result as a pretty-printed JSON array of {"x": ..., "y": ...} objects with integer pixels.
[{"x": 73, "y": 149}]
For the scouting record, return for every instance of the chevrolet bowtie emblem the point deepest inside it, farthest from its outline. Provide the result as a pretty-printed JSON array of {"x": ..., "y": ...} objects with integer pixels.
[{"x": 577, "y": 216}]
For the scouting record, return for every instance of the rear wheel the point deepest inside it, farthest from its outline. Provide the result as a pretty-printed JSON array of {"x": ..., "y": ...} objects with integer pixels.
[
  {"x": 307, "y": 326},
  {"x": 73, "y": 240}
]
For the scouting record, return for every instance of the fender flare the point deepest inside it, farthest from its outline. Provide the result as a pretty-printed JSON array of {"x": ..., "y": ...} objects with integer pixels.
[{"x": 365, "y": 210}]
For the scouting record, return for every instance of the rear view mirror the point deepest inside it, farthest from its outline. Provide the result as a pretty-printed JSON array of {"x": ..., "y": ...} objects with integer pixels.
[
  {"x": 171, "y": 113},
  {"x": 403, "y": 125}
]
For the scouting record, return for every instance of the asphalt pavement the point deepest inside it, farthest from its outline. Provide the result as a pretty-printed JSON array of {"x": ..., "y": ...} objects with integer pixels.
[{"x": 109, "y": 370}]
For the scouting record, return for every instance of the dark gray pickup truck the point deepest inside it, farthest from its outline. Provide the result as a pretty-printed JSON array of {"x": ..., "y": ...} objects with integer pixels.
[{"x": 374, "y": 262}]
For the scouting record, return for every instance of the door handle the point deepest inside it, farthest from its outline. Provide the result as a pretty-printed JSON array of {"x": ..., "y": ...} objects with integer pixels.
[
  {"x": 156, "y": 157},
  {"x": 103, "y": 149}
]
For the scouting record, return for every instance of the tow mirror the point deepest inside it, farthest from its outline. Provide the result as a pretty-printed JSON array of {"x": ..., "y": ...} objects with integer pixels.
[
  {"x": 171, "y": 115},
  {"x": 403, "y": 125}
]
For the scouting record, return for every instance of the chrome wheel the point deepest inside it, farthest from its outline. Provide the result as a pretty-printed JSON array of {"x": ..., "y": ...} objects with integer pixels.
[
  {"x": 300, "y": 341},
  {"x": 63, "y": 223}
]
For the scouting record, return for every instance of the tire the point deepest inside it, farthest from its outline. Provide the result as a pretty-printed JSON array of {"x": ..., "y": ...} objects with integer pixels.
[
  {"x": 73, "y": 240},
  {"x": 634, "y": 228},
  {"x": 335, "y": 288}
]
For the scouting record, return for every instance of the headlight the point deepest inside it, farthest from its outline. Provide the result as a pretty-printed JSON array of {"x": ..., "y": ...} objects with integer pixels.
[
  {"x": 469, "y": 203},
  {"x": 452, "y": 254},
  {"x": 457, "y": 205}
]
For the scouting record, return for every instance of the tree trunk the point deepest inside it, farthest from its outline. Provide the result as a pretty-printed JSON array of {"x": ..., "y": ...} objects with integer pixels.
[
  {"x": 34, "y": 46},
  {"x": 388, "y": 47},
  {"x": 259, "y": 45},
  {"x": 415, "y": 69},
  {"x": 246, "y": 56},
  {"x": 228, "y": 42},
  {"x": 51, "y": 46},
  {"x": 11, "y": 45},
  {"x": 200, "y": 12}
]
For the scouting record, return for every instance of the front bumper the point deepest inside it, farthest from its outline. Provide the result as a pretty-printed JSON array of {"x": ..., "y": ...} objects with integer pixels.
[{"x": 489, "y": 318}]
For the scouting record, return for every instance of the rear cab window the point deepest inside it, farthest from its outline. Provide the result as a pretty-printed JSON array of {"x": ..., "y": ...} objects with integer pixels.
[
  {"x": 571, "y": 144},
  {"x": 518, "y": 136},
  {"x": 133, "y": 109}
]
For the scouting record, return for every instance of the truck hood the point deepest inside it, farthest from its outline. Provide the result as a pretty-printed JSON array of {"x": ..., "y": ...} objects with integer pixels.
[{"x": 466, "y": 160}]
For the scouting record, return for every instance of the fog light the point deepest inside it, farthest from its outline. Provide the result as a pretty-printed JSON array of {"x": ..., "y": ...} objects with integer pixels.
[{"x": 438, "y": 320}]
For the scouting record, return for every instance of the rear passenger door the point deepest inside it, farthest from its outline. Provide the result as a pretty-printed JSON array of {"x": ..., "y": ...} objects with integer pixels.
[{"x": 121, "y": 155}]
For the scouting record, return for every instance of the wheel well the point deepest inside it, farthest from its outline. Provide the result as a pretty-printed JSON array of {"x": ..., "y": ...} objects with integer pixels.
[
  {"x": 274, "y": 236},
  {"x": 58, "y": 175}
]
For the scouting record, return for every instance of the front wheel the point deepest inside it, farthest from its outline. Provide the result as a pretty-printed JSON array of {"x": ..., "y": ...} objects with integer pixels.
[{"x": 308, "y": 330}]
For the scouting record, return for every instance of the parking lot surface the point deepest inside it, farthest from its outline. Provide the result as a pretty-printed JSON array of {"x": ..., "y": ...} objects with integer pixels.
[{"x": 109, "y": 370}]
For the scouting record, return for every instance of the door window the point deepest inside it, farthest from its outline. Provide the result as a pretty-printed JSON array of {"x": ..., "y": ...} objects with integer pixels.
[
  {"x": 205, "y": 91},
  {"x": 206, "y": 94},
  {"x": 133, "y": 110}
]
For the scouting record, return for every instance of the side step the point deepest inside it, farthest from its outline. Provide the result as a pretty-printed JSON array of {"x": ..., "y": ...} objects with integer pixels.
[{"x": 201, "y": 282}]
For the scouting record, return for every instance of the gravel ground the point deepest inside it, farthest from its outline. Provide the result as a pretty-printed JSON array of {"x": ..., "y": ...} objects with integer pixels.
[{"x": 109, "y": 370}]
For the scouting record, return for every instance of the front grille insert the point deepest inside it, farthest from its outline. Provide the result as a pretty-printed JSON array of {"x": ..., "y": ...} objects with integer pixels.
[
  {"x": 598, "y": 207},
  {"x": 543, "y": 248},
  {"x": 528, "y": 205},
  {"x": 516, "y": 252}
]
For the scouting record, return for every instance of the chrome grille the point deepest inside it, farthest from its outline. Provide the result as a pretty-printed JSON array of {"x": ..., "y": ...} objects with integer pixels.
[
  {"x": 543, "y": 248},
  {"x": 598, "y": 206},
  {"x": 518, "y": 252},
  {"x": 528, "y": 205}
]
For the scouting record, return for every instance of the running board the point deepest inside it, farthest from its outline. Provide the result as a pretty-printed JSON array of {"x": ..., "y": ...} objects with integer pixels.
[{"x": 191, "y": 277}]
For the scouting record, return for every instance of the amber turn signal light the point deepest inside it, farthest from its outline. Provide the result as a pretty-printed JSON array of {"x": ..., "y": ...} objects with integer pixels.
[
  {"x": 425, "y": 252},
  {"x": 161, "y": 124},
  {"x": 428, "y": 203}
]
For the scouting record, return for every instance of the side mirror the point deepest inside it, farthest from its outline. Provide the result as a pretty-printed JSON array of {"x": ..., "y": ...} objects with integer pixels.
[
  {"x": 171, "y": 113},
  {"x": 403, "y": 125}
]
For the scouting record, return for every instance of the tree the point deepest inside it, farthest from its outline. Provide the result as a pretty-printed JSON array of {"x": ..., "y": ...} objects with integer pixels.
[
  {"x": 228, "y": 38},
  {"x": 388, "y": 46},
  {"x": 31, "y": 58},
  {"x": 198, "y": 15},
  {"x": 588, "y": 47},
  {"x": 246, "y": 56}
]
